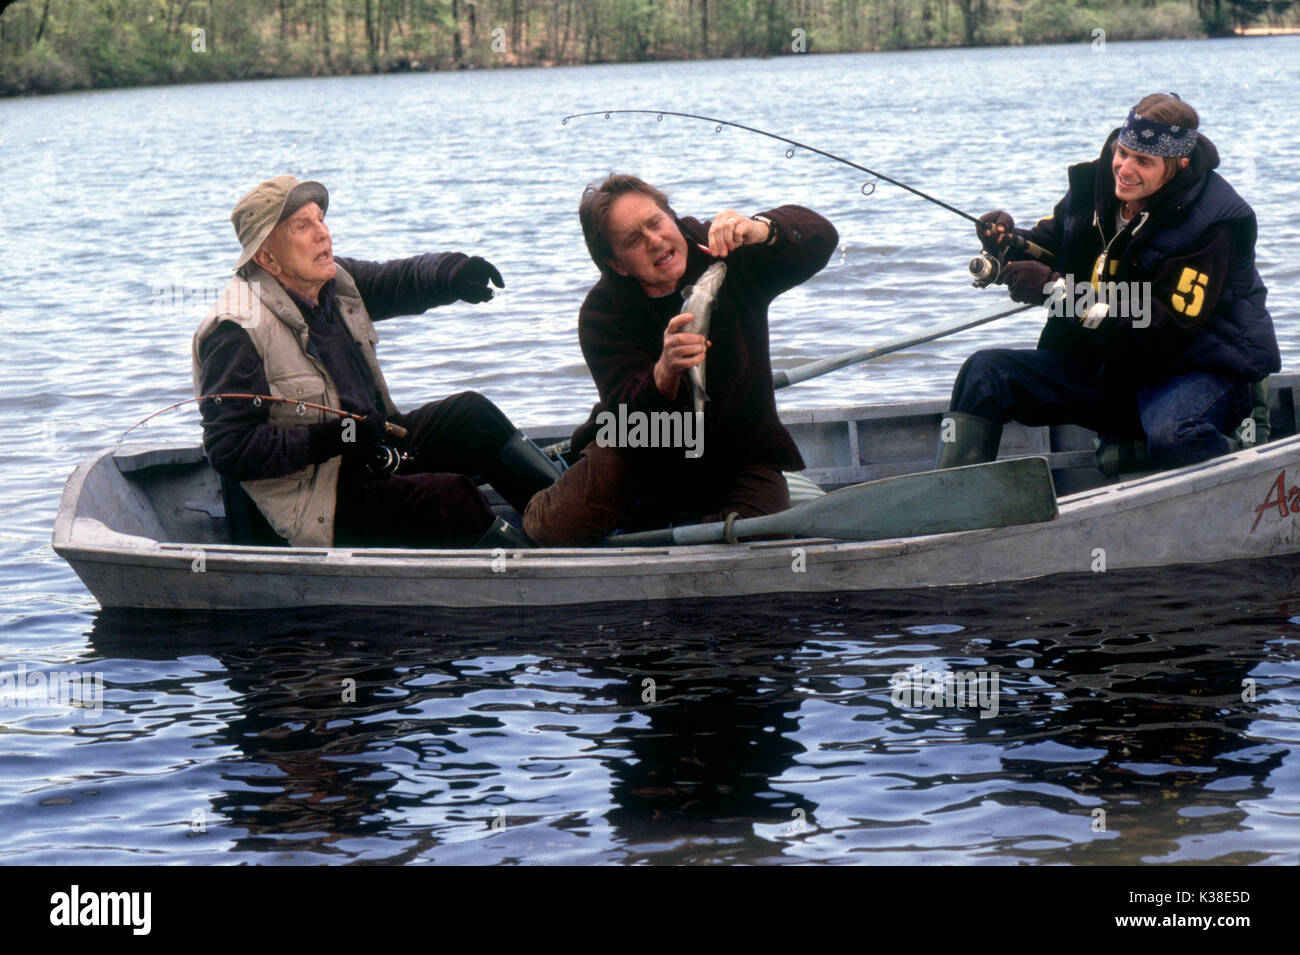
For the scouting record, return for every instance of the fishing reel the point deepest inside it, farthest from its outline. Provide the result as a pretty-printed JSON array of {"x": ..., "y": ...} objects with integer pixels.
[
  {"x": 986, "y": 268},
  {"x": 387, "y": 460}
]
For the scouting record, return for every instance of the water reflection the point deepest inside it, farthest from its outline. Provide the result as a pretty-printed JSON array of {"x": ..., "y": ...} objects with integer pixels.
[{"x": 729, "y": 731}]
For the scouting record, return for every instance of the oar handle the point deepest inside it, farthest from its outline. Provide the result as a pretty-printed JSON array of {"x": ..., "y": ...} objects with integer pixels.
[
  {"x": 642, "y": 538},
  {"x": 685, "y": 534}
]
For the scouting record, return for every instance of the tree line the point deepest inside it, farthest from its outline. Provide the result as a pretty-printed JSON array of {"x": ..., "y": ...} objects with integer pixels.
[{"x": 54, "y": 45}]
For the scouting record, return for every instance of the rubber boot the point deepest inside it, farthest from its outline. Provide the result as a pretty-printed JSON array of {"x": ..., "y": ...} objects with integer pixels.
[
  {"x": 1116, "y": 456},
  {"x": 1256, "y": 429},
  {"x": 519, "y": 470},
  {"x": 504, "y": 534},
  {"x": 974, "y": 440}
]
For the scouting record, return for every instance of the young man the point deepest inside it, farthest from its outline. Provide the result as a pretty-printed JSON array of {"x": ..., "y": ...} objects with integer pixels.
[
  {"x": 634, "y": 337},
  {"x": 1162, "y": 333}
]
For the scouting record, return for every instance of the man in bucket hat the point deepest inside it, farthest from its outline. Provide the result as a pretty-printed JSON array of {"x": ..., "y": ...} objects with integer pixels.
[{"x": 297, "y": 323}]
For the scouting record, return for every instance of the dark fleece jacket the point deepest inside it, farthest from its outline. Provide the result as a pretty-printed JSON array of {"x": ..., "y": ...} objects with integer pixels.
[{"x": 621, "y": 333}]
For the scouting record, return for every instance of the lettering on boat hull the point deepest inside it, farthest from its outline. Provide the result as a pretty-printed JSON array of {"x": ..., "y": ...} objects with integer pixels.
[{"x": 1286, "y": 501}]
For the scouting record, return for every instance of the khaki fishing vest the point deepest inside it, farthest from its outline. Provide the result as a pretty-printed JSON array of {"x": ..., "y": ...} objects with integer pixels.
[{"x": 299, "y": 506}]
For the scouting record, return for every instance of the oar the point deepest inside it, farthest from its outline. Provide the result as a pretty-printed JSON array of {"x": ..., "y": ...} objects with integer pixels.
[
  {"x": 997, "y": 494},
  {"x": 791, "y": 376}
]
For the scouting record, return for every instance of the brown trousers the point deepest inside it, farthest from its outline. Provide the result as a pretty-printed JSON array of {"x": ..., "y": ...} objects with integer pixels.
[{"x": 600, "y": 493}]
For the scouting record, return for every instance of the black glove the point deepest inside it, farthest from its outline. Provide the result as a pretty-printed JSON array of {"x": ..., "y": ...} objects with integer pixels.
[
  {"x": 346, "y": 436},
  {"x": 468, "y": 279},
  {"x": 1026, "y": 281},
  {"x": 987, "y": 229}
]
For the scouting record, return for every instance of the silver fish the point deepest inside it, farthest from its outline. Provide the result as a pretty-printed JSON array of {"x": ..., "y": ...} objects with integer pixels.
[{"x": 699, "y": 302}]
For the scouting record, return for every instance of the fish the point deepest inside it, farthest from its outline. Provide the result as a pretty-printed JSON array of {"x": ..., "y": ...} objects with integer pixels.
[{"x": 699, "y": 302}]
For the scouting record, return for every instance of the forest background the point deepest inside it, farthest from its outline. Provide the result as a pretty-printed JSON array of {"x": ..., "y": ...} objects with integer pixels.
[{"x": 49, "y": 46}]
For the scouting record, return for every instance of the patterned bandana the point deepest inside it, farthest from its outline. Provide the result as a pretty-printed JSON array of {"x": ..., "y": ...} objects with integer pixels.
[{"x": 1155, "y": 138}]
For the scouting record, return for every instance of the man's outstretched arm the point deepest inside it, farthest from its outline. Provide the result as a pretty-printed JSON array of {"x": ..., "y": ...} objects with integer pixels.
[{"x": 411, "y": 286}]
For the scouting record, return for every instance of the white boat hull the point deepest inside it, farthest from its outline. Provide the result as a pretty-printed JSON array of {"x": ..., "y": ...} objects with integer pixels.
[{"x": 1225, "y": 509}]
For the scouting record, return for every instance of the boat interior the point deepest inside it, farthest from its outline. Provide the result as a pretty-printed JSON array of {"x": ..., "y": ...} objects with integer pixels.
[{"x": 173, "y": 495}]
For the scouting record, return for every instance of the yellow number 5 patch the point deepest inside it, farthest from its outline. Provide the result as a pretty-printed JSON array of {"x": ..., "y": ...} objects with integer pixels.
[{"x": 1194, "y": 282}]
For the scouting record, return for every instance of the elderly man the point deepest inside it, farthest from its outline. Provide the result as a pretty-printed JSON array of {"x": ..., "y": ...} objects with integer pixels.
[
  {"x": 296, "y": 323},
  {"x": 640, "y": 351}
]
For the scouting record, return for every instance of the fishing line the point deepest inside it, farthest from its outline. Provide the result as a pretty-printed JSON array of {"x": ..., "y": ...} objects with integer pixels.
[
  {"x": 986, "y": 267},
  {"x": 867, "y": 188}
]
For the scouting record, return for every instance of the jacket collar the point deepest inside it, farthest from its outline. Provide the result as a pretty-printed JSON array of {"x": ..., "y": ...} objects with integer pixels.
[
  {"x": 274, "y": 296},
  {"x": 323, "y": 307}
]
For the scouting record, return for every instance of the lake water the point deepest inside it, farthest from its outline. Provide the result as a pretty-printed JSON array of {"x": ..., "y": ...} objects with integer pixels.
[{"x": 1142, "y": 717}]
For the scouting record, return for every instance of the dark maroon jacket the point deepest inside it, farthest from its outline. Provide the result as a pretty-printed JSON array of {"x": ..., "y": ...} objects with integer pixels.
[{"x": 622, "y": 337}]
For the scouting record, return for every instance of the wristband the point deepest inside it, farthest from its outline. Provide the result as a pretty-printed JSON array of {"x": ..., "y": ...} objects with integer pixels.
[{"x": 773, "y": 231}]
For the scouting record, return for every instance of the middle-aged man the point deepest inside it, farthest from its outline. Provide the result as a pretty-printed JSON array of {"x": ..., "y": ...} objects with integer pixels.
[
  {"x": 639, "y": 351},
  {"x": 296, "y": 323}
]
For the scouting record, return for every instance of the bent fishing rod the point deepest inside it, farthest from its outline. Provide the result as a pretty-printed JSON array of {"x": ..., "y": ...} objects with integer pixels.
[
  {"x": 986, "y": 268},
  {"x": 391, "y": 429}
]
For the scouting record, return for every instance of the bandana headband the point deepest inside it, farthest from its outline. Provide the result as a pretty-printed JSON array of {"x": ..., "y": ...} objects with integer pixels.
[{"x": 1156, "y": 138}]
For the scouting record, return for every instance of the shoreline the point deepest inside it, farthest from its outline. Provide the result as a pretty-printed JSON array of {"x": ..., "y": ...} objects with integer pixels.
[
  {"x": 1266, "y": 31},
  {"x": 410, "y": 68}
]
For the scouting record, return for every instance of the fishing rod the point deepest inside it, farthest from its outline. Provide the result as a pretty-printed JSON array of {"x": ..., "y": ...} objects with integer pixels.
[
  {"x": 815, "y": 369},
  {"x": 986, "y": 268},
  {"x": 391, "y": 429},
  {"x": 867, "y": 188}
]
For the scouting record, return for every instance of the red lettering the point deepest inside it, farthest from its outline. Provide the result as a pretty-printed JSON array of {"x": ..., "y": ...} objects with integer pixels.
[{"x": 1277, "y": 495}]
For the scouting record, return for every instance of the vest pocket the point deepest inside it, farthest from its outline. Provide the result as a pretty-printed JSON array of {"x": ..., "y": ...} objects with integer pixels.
[{"x": 297, "y": 387}]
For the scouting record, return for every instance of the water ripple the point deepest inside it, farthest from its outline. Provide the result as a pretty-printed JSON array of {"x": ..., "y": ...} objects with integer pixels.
[{"x": 1139, "y": 718}]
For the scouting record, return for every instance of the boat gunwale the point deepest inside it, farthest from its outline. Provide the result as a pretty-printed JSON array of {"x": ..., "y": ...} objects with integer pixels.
[{"x": 608, "y": 557}]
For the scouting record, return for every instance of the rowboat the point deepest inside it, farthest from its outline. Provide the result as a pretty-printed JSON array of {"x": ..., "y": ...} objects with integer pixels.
[{"x": 146, "y": 527}]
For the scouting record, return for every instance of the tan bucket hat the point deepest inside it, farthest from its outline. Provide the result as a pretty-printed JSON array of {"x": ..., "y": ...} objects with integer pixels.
[{"x": 269, "y": 204}]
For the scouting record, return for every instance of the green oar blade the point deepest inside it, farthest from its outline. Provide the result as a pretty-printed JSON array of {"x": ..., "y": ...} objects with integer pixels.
[{"x": 998, "y": 494}]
